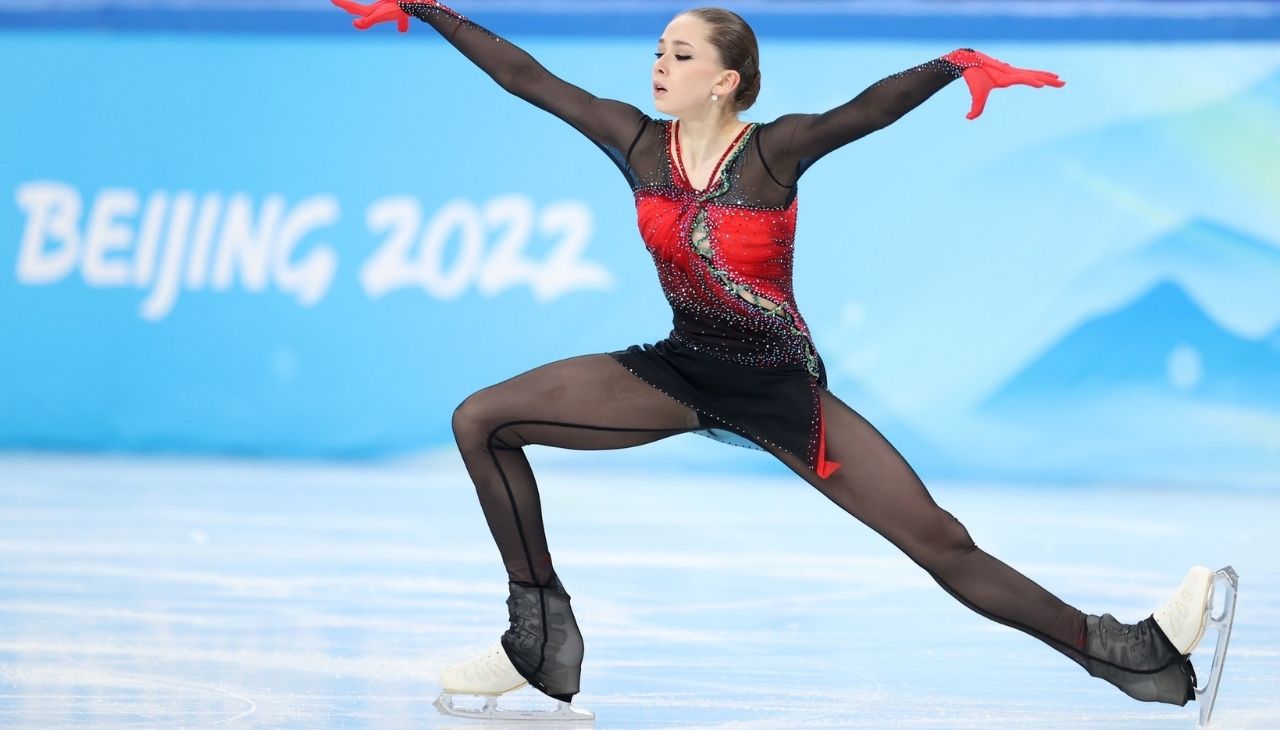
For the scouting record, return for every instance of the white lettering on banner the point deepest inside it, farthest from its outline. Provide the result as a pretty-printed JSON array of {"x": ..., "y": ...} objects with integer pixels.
[
  {"x": 564, "y": 271},
  {"x": 175, "y": 244},
  {"x": 388, "y": 270},
  {"x": 160, "y": 302},
  {"x": 507, "y": 268},
  {"x": 396, "y": 265},
  {"x": 240, "y": 243},
  {"x": 53, "y": 216},
  {"x": 310, "y": 278},
  {"x": 106, "y": 233},
  {"x": 179, "y": 241},
  {"x": 202, "y": 241},
  {"x": 148, "y": 238}
]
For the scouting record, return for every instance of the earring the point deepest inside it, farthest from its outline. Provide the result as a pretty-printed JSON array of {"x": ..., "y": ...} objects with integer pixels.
[{"x": 715, "y": 97}]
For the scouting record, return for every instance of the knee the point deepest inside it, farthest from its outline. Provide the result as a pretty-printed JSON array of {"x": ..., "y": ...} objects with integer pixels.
[
  {"x": 476, "y": 423},
  {"x": 470, "y": 420},
  {"x": 945, "y": 540}
]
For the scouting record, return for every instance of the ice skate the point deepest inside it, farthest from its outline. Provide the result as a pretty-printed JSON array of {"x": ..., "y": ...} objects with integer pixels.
[
  {"x": 489, "y": 676},
  {"x": 542, "y": 648},
  {"x": 1185, "y": 616},
  {"x": 1151, "y": 660},
  {"x": 1138, "y": 659},
  {"x": 544, "y": 642}
]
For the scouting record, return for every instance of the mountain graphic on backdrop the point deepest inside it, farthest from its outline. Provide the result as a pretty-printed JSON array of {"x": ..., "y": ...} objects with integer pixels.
[
  {"x": 1212, "y": 168},
  {"x": 1235, "y": 276},
  {"x": 1164, "y": 362},
  {"x": 1162, "y": 344}
]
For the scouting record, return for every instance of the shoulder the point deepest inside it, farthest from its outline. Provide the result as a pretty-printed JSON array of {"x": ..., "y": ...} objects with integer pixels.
[
  {"x": 781, "y": 131},
  {"x": 651, "y": 128}
]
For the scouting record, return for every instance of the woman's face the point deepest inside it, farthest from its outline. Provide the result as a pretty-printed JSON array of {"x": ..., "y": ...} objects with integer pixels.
[{"x": 687, "y": 70}]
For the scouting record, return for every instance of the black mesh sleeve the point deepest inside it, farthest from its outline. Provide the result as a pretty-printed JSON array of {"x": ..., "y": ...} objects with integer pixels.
[
  {"x": 613, "y": 125},
  {"x": 792, "y": 143}
]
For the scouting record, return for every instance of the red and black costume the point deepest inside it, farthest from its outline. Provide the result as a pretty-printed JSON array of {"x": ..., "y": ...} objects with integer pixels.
[
  {"x": 738, "y": 365},
  {"x": 739, "y": 353}
]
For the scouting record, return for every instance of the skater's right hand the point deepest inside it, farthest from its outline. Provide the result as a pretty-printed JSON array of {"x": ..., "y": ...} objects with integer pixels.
[{"x": 380, "y": 11}]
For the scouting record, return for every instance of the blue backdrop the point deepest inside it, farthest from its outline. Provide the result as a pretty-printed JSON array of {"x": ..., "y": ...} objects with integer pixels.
[{"x": 227, "y": 231}]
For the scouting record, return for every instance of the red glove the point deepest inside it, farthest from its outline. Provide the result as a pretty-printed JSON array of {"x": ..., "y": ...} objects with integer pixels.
[
  {"x": 380, "y": 11},
  {"x": 983, "y": 73}
]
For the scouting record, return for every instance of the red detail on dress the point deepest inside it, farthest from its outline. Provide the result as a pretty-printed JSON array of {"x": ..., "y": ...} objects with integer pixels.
[
  {"x": 825, "y": 468},
  {"x": 749, "y": 245}
]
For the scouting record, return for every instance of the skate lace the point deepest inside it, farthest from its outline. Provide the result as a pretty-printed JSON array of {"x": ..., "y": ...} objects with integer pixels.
[
  {"x": 1123, "y": 644},
  {"x": 525, "y": 615}
]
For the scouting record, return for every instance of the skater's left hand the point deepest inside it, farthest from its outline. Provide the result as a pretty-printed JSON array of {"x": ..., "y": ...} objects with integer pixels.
[
  {"x": 983, "y": 73},
  {"x": 380, "y": 11}
]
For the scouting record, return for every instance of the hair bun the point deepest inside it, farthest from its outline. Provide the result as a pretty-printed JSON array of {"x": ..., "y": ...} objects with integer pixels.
[{"x": 736, "y": 43}]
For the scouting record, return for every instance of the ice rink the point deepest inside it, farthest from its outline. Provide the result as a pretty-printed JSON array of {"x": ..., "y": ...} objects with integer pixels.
[{"x": 166, "y": 593}]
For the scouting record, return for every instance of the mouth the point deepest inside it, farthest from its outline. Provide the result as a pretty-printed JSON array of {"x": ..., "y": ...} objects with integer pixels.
[{"x": 659, "y": 89}]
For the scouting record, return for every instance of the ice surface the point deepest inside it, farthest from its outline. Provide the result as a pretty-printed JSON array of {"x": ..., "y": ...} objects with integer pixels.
[{"x": 166, "y": 593}]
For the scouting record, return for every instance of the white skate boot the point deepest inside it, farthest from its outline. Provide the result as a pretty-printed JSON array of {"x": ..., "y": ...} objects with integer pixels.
[
  {"x": 1185, "y": 616},
  {"x": 490, "y": 675}
]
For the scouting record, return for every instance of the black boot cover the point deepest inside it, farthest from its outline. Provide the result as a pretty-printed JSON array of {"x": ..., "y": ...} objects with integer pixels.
[
  {"x": 1139, "y": 659},
  {"x": 543, "y": 642}
]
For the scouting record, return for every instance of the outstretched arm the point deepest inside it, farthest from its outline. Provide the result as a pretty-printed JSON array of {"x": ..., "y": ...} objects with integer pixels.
[
  {"x": 604, "y": 121},
  {"x": 794, "y": 142}
]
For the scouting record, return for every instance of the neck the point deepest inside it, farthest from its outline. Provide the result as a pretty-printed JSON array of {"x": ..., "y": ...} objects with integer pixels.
[{"x": 706, "y": 136}]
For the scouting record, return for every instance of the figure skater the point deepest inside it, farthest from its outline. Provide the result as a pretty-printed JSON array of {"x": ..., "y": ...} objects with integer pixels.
[{"x": 716, "y": 205}]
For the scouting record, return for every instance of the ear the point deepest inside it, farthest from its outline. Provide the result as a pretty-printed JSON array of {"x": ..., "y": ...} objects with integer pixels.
[{"x": 727, "y": 83}]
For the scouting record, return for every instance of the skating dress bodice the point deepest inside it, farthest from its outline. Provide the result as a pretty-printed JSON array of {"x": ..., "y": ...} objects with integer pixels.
[{"x": 725, "y": 266}]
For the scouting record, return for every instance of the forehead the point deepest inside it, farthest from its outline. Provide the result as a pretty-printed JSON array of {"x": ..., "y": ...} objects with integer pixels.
[{"x": 684, "y": 30}]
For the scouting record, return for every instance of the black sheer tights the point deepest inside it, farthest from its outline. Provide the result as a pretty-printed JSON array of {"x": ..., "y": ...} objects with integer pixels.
[
  {"x": 877, "y": 486},
  {"x": 593, "y": 402},
  {"x": 590, "y": 402}
]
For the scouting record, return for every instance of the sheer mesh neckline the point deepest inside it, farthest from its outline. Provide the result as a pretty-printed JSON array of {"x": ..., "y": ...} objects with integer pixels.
[{"x": 673, "y": 132}]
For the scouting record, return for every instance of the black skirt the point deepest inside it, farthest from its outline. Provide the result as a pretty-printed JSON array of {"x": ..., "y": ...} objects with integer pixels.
[{"x": 755, "y": 407}]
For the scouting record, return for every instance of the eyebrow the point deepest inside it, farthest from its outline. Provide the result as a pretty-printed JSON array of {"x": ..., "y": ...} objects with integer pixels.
[{"x": 677, "y": 43}]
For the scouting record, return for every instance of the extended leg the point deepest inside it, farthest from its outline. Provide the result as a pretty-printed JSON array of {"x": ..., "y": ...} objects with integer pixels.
[{"x": 876, "y": 485}]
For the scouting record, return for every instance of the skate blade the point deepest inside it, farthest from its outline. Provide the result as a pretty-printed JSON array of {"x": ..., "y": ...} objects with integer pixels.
[
  {"x": 563, "y": 712},
  {"x": 1229, "y": 582}
]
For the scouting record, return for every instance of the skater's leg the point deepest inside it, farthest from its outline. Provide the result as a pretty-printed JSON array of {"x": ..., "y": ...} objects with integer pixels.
[
  {"x": 877, "y": 486},
  {"x": 589, "y": 402}
]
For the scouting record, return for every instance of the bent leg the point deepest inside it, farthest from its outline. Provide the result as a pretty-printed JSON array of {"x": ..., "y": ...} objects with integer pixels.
[
  {"x": 877, "y": 486},
  {"x": 588, "y": 402}
]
